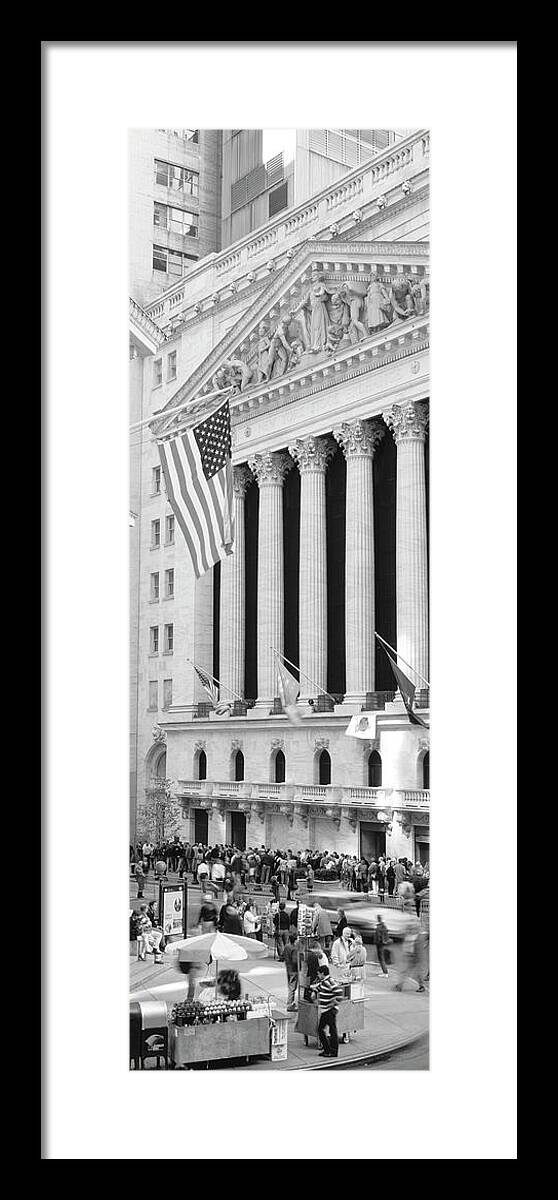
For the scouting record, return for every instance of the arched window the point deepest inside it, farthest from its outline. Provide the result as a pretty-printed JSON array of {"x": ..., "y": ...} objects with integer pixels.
[
  {"x": 324, "y": 768},
  {"x": 239, "y": 766},
  {"x": 374, "y": 769},
  {"x": 161, "y": 768},
  {"x": 279, "y": 767},
  {"x": 202, "y": 765},
  {"x": 426, "y": 770}
]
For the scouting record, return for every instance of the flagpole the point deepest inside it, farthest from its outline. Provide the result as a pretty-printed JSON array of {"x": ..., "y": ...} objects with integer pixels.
[
  {"x": 188, "y": 404},
  {"x": 217, "y": 681},
  {"x": 404, "y": 660},
  {"x": 301, "y": 672}
]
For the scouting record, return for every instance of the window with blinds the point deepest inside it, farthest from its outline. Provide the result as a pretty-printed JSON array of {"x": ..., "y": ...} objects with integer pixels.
[{"x": 256, "y": 181}]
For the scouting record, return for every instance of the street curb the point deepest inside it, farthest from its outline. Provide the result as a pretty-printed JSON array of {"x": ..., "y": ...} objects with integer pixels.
[{"x": 361, "y": 1059}]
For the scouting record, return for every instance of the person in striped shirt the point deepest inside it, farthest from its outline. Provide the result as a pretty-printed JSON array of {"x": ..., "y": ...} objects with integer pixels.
[{"x": 328, "y": 995}]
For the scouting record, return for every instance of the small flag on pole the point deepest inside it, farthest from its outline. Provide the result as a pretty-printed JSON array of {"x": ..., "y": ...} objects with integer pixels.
[
  {"x": 407, "y": 690},
  {"x": 197, "y": 469},
  {"x": 289, "y": 690},
  {"x": 362, "y": 725},
  {"x": 209, "y": 686}
]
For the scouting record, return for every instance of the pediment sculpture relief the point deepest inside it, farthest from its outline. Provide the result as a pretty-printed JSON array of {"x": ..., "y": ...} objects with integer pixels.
[{"x": 324, "y": 320}]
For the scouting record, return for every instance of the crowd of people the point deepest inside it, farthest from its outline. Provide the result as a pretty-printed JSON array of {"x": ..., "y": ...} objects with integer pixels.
[{"x": 229, "y": 867}]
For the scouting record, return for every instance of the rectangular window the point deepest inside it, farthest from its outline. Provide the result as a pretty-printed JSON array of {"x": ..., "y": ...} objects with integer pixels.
[
  {"x": 167, "y": 693},
  {"x": 171, "y": 365},
  {"x": 155, "y": 533},
  {"x": 157, "y": 372},
  {"x": 160, "y": 215},
  {"x": 159, "y": 258},
  {"x": 169, "y": 583},
  {"x": 179, "y": 179},
  {"x": 154, "y": 639},
  {"x": 155, "y": 585},
  {"x": 278, "y": 199},
  {"x": 153, "y": 694},
  {"x": 183, "y": 222},
  {"x": 169, "y": 639},
  {"x": 169, "y": 531},
  {"x": 156, "y": 481},
  {"x": 172, "y": 262}
]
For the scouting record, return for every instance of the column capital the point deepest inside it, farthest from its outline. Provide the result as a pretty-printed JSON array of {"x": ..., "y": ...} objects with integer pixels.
[
  {"x": 312, "y": 453},
  {"x": 359, "y": 438},
  {"x": 271, "y": 467},
  {"x": 242, "y": 478},
  {"x": 407, "y": 421}
]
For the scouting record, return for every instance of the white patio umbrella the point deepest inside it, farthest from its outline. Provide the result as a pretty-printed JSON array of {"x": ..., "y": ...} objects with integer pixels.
[{"x": 216, "y": 947}]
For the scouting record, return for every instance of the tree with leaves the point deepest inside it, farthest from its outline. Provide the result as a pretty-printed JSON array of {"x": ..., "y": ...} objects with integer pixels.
[{"x": 159, "y": 816}]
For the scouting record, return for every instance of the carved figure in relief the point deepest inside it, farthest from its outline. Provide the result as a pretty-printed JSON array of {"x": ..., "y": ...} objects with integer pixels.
[
  {"x": 279, "y": 349},
  {"x": 315, "y": 302},
  {"x": 297, "y": 350},
  {"x": 241, "y": 373},
  {"x": 421, "y": 295},
  {"x": 356, "y": 329},
  {"x": 339, "y": 318},
  {"x": 264, "y": 344},
  {"x": 378, "y": 306},
  {"x": 402, "y": 298}
]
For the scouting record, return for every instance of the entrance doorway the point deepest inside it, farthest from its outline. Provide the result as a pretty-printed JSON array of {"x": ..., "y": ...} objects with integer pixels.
[
  {"x": 238, "y": 830},
  {"x": 372, "y": 840},
  {"x": 422, "y": 844},
  {"x": 201, "y": 821}
]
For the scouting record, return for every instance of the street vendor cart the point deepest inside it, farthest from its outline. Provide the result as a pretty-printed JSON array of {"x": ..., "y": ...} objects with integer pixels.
[
  {"x": 350, "y": 1014},
  {"x": 263, "y": 1035}
]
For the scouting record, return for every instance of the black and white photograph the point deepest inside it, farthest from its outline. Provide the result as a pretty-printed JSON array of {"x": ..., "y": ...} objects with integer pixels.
[
  {"x": 279, "y": 706},
  {"x": 280, "y": 700}
]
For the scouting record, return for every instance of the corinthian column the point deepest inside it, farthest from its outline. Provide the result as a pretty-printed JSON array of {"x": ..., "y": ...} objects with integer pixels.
[
  {"x": 408, "y": 424},
  {"x": 270, "y": 470},
  {"x": 311, "y": 456},
  {"x": 233, "y": 597},
  {"x": 358, "y": 440}
]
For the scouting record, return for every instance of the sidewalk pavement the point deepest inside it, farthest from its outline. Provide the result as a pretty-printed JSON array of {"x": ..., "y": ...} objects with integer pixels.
[{"x": 392, "y": 1019}]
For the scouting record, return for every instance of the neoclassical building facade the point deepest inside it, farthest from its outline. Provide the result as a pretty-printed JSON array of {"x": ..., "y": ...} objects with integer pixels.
[{"x": 319, "y": 323}]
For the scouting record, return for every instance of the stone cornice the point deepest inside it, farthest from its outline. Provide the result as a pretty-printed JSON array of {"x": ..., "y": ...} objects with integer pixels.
[
  {"x": 249, "y": 285},
  {"x": 139, "y": 317},
  {"x": 298, "y": 388},
  {"x": 395, "y": 171},
  {"x": 294, "y": 274}
]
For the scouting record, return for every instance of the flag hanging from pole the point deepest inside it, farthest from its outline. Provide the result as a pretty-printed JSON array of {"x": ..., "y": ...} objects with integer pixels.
[
  {"x": 209, "y": 687},
  {"x": 407, "y": 690},
  {"x": 289, "y": 690},
  {"x": 197, "y": 470},
  {"x": 362, "y": 725}
]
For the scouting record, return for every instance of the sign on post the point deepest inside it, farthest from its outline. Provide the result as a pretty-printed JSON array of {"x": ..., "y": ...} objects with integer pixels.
[{"x": 173, "y": 909}]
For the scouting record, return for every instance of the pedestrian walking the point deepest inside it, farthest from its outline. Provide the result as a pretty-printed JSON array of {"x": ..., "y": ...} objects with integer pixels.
[
  {"x": 281, "y": 926},
  {"x": 381, "y": 939},
  {"x": 290, "y": 959},
  {"x": 140, "y": 877}
]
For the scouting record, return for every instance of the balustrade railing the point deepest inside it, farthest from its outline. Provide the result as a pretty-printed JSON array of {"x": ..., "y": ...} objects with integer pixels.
[
  {"x": 363, "y": 186},
  {"x": 322, "y": 794}
]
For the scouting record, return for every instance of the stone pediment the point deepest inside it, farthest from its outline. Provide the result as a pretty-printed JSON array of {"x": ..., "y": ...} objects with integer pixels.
[{"x": 330, "y": 298}]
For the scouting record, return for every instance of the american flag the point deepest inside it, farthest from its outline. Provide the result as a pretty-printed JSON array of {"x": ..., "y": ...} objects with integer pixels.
[
  {"x": 209, "y": 685},
  {"x": 198, "y": 477}
]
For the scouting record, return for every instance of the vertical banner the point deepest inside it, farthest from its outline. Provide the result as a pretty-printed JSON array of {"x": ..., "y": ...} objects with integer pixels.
[{"x": 173, "y": 909}]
